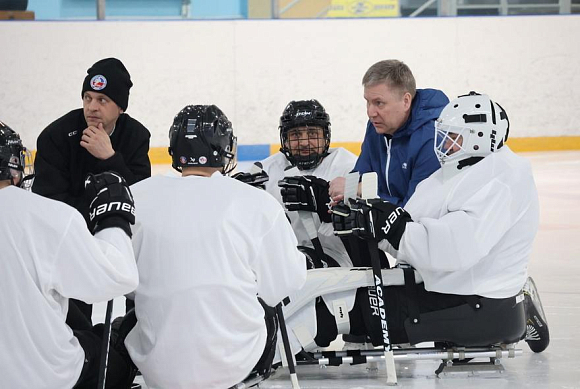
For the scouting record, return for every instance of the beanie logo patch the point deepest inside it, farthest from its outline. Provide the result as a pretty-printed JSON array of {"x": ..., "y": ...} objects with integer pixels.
[{"x": 98, "y": 82}]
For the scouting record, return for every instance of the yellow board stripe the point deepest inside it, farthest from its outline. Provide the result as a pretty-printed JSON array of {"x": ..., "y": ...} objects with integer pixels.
[
  {"x": 159, "y": 155},
  {"x": 554, "y": 143}
]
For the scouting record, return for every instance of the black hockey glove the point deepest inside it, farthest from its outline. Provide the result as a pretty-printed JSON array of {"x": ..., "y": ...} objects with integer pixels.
[
  {"x": 110, "y": 202},
  {"x": 343, "y": 220},
  {"x": 371, "y": 219},
  {"x": 306, "y": 193},
  {"x": 256, "y": 179}
]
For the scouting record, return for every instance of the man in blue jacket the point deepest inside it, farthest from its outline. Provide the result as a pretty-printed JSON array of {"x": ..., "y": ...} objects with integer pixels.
[{"x": 398, "y": 143}]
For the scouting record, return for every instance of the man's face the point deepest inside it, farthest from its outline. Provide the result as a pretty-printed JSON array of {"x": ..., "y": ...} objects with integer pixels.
[
  {"x": 387, "y": 107},
  {"x": 453, "y": 143},
  {"x": 99, "y": 108},
  {"x": 303, "y": 141}
]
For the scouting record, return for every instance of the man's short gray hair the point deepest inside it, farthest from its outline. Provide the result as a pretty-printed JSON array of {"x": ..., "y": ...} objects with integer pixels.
[{"x": 392, "y": 72}]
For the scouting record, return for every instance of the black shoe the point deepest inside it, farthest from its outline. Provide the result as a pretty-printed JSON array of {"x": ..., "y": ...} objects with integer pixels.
[{"x": 537, "y": 333}]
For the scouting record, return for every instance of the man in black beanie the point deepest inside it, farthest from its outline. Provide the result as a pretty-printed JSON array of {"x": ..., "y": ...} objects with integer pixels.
[{"x": 96, "y": 138}]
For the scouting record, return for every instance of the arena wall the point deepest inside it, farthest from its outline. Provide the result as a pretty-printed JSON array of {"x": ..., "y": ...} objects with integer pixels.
[{"x": 252, "y": 68}]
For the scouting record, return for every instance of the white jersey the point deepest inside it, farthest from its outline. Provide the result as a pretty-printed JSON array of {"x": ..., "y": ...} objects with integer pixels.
[
  {"x": 338, "y": 163},
  {"x": 472, "y": 234},
  {"x": 48, "y": 256},
  {"x": 205, "y": 248}
]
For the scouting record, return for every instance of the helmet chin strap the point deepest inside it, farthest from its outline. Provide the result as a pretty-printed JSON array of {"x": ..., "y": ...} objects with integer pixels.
[
  {"x": 308, "y": 162},
  {"x": 451, "y": 169},
  {"x": 468, "y": 162}
]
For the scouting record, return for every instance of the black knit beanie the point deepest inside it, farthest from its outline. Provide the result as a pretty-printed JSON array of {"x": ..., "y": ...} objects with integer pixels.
[{"x": 109, "y": 77}]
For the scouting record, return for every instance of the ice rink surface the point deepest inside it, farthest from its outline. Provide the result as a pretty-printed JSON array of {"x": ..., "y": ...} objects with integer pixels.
[{"x": 555, "y": 266}]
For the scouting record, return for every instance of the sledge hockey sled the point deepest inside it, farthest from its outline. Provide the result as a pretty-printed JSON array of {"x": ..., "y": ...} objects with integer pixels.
[{"x": 483, "y": 328}]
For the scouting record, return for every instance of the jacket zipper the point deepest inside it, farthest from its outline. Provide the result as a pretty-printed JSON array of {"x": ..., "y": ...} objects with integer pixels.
[{"x": 388, "y": 143}]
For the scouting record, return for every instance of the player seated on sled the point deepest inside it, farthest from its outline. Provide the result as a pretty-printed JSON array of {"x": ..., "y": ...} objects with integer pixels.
[
  {"x": 467, "y": 230},
  {"x": 204, "y": 316}
]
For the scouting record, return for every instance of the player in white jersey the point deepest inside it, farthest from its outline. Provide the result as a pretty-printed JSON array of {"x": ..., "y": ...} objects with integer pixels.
[
  {"x": 208, "y": 249},
  {"x": 304, "y": 166},
  {"x": 467, "y": 230},
  {"x": 49, "y": 256}
]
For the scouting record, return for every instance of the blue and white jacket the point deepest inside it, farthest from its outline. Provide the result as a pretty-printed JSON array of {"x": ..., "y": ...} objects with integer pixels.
[{"x": 407, "y": 157}]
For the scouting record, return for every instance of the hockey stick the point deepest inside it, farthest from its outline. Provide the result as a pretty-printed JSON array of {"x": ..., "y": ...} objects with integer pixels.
[
  {"x": 105, "y": 347},
  {"x": 249, "y": 382},
  {"x": 287, "y": 350},
  {"x": 368, "y": 191}
]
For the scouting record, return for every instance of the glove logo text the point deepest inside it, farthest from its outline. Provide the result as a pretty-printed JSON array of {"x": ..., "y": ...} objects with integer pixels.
[
  {"x": 391, "y": 219},
  {"x": 112, "y": 207}
]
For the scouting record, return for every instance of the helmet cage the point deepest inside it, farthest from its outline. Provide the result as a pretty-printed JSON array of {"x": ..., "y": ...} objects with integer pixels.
[
  {"x": 449, "y": 141},
  {"x": 309, "y": 114},
  {"x": 306, "y": 140},
  {"x": 202, "y": 136},
  {"x": 468, "y": 129}
]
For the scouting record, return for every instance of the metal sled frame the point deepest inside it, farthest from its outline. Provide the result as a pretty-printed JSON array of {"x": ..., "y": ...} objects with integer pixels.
[{"x": 454, "y": 359}]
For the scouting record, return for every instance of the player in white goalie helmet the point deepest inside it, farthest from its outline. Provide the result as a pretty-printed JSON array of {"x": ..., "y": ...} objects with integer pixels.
[{"x": 469, "y": 128}]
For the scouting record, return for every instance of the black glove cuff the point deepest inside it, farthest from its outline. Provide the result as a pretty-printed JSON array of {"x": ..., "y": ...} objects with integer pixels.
[
  {"x": 114, "y": 221},
  {"x": 395, "y": 240},
  {"x": 392, "y": 226}
]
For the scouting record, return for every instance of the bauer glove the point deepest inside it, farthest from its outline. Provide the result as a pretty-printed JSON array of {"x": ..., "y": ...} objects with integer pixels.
[
  {"x": 256, "y": 177},
  {"x": 257, "y": 180},
  {"x": 110, "y": 202},
  {"x": 306, "y": 193},
  {"x": 371, "y": 219}
]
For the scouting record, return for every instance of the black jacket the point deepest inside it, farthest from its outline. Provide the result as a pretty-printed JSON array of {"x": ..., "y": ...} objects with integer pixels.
[{"x": 61, "y": 164}]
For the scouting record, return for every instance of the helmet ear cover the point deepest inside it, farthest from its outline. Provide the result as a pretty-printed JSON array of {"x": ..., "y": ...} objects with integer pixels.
[
  {"x": 304, "y": 113},
  {"x": 202, "y": 136}
]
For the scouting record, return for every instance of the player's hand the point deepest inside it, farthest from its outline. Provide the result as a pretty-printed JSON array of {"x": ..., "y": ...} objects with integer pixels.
[
  {"x": 306, "y": 193},
  {"x": 257, "y": 180},
  {"x": 97, "y": 142},
  {"x": 343, "y": 220},
  {"x": 336, "y": 190},
  {"x": 371, "y": 219}
]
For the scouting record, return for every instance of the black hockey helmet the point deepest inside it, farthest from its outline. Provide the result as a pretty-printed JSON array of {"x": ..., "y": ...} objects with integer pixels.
[
  {"x": 202, "y": 136},
  {"x": 13, "y": 157},
  {"x": 304, "y": 113}
]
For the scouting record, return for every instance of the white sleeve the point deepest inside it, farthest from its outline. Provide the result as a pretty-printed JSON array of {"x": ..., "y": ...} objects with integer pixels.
[
  {"x": 460, "y": 238},
  {"x": 94, "y": 268},
  {"x": 279, "y": 267}
]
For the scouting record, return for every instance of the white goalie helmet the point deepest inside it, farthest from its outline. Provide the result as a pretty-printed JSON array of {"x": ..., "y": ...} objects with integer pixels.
[{"x": 468, "y": 129}]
